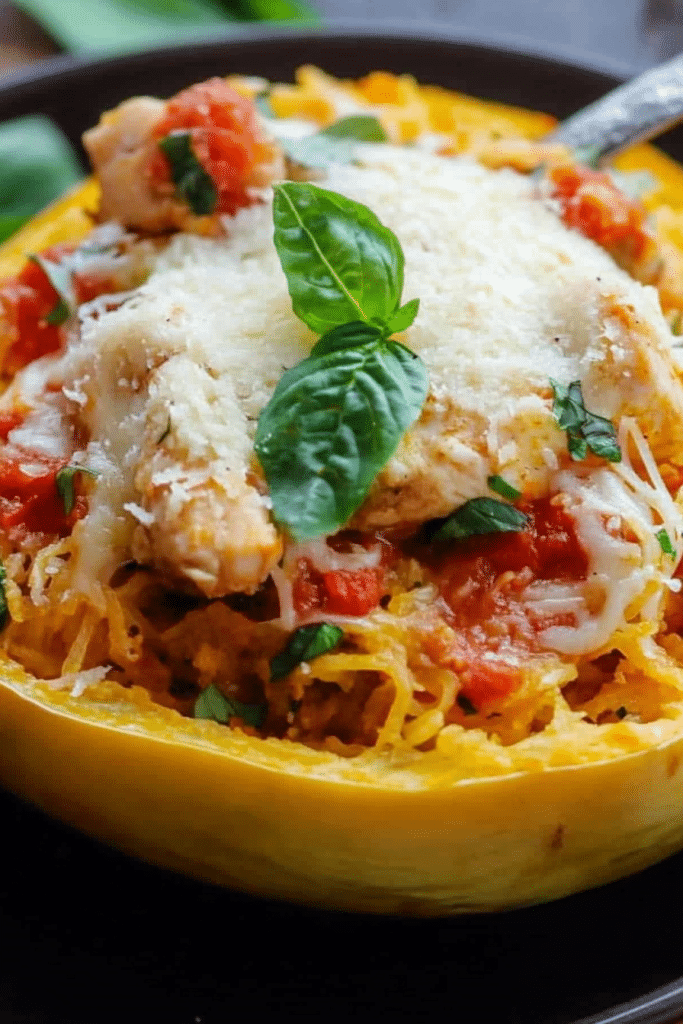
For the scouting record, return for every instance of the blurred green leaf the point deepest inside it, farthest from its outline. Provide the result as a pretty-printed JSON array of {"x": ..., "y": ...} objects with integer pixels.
[
  {"x": 37, "y": 164},
  {"x": 119, "y": 26},
  {"x": 275, "y": 10}
]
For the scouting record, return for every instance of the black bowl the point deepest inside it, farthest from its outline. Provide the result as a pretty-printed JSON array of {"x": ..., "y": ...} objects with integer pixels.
[{"x": 92, "y": 937}]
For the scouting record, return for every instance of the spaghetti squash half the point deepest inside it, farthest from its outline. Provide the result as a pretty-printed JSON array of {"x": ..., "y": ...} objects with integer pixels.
[{"x": 342, "y": 442}]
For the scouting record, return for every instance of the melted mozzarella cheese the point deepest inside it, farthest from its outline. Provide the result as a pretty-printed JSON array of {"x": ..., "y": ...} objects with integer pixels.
[{"x": 170, "y": 384}]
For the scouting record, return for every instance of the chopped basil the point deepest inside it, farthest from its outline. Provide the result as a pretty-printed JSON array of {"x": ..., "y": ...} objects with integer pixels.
[
  {"x": 466, "y": 705},
  {"x": 585, "y": 430},
  {"x": 212, "y": 704},
  {"x": 337, "y": 417},
  {"x": 502, "y": 487},
  {"x": 4, "y": 610},
  {"x": 59, "y": 277},
  {"x": 193, "y": 183},
  {"x": 340, "y": 261},
  {"x": 481, "y": 516},
  {"x": 307, "y": 643},
  {"x": 334, "y": 144},
  {"x": 665, "y": 542},
  {"x": 65, "y": 484}
]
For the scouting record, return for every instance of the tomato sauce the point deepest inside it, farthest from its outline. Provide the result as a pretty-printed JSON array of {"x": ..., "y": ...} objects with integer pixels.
[
  {"x": 592, "y": 204},
  {"x": 225, "y": 139},
  {"x": 29, "y": 501},
  {"x": 27, "y": 300},
  {"x": 480, "y": 581},
  {"x": 340, "y": 592}
]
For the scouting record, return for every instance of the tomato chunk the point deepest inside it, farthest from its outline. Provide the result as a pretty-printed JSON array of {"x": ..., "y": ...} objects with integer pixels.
[
  {"x": 25, "y": 302},
  {"x": 592, "y": 204},
  {"x": 224, "y": 134},
  {"x": 481, "y": 579},
  {"x": 340, "y": 592},
  {"x": 29, "y": 499}
]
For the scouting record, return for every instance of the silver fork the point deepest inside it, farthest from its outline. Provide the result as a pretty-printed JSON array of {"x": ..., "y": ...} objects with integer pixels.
[{"x": 638, "y": 110}]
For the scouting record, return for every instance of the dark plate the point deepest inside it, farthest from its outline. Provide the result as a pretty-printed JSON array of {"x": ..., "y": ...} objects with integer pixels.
[{"x": 92, "y": 937}]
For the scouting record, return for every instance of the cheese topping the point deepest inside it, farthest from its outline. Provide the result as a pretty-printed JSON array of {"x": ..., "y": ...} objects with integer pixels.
[{"x": 159, "y": 387}]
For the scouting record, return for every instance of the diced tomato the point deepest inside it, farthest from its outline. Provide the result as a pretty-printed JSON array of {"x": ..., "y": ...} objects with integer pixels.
[
  {"x": 89, "y": 284},
  {"x": 307, "y": 591},
  {"x": 480, "y": 580},
  {"x": 8, "y": 421},
  {"x": 351, "y": 592},
  {"x": 225, "y": 138},
  {"x": 469, "y": 572},
  {"x": 484, "y": 682},
  {"x": 29, "y": 501},
  {"x": 593, "y": 204},
  {"x": 341, "y": 592},
  {"x": 25, "y": 302}
]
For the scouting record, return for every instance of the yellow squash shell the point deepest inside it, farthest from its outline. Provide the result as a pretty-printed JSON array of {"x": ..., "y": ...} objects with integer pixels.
[{"x": 276, "y": 818}]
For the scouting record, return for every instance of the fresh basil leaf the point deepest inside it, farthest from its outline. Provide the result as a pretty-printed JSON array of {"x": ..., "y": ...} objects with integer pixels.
[
  {"x": 274, "y": 10},
  {"x": 305, "y": 644},
  {"x": 59, "y": 277},
  {"x": 481, "y": 516},
  {"x": 334, "y": 144},
  {"x": 502, "y": 487},
  {"x": 65, "y": 484},
  {"x": 359, "y": 127},
  {"x": 349, "y": 335},
  {"x": 4, "y": 610},
  {"x": 341, "y": 263},
  {"x": 332, "y": 423},
  {"x": 665, "y": 542},
  {"x": 119, "y": 26},
  {"x": 601, "y": 437},
  {"x": 466, "y": 705},
  {"x": 193, "y": 183},
  {"x": 37, "y": 165},
  {"x": 568, "y": 407},
  {"x": 403, "y": 317},
  {"x": 212, "y": 704},
  {"x": 577, "y": 447},
  {"x": 585, "y": 430}
]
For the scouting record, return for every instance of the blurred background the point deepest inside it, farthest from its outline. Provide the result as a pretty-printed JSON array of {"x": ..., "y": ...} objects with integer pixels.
[{"x": 633, "y": 33}]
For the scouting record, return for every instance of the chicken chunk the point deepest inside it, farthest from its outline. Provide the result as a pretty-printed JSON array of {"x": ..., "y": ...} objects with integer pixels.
[{"x": 227, "y": 141}]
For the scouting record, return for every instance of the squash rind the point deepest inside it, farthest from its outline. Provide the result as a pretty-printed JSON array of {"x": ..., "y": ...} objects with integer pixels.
[
  {"x": 134, "y": 775},
  {"x": 280, "y": 820}
]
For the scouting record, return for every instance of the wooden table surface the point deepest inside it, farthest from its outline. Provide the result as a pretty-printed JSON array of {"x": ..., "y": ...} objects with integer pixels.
[{"x": 633, "y": 33}]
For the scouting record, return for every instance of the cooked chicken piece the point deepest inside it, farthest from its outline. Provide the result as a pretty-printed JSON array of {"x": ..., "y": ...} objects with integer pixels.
[
  {"x": 203, "y": 519},
  {"x": 124, "y": 152},
  {"x": 510, "y": 299}
]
